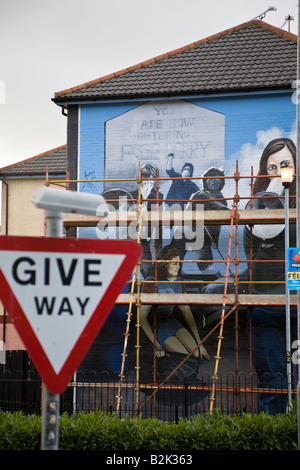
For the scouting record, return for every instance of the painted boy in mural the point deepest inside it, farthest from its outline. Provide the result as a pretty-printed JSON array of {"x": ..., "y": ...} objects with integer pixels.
[
  {"x": 151, "y": 236},
  {"x": 212, "y": 199},
  {"x": 182, "y": 189}
]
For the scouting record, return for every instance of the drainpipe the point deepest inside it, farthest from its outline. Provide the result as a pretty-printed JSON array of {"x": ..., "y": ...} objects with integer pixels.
[
  {"x": 6, "y": 232},
  {"x": 6, "y": 206}
]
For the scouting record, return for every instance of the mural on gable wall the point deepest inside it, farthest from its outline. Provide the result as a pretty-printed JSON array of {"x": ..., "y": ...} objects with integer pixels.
[{"x": 199, "y": 139}]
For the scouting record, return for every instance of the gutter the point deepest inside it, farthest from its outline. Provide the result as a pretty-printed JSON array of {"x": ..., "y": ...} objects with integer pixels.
[{"x": 65, "y": 101}]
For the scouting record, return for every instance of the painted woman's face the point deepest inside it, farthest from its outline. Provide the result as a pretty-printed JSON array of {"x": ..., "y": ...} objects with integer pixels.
[
  {"x": 173, "y": 268},
  {"x": 279, "y": 160}
]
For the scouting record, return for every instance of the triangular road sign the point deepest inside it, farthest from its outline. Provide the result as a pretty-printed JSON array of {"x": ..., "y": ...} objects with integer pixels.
[{"x": 58, "y": 293}]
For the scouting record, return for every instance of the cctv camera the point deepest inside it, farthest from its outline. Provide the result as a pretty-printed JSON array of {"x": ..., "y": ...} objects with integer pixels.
[{"x": 57, "y": 200}]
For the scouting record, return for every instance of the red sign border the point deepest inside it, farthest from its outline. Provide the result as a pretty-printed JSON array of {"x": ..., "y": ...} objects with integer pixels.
[{"x": 57, "y": 383}]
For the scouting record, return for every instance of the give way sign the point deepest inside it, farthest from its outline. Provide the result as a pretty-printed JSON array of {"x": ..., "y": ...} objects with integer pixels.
[{"x": 58, "y": 293}]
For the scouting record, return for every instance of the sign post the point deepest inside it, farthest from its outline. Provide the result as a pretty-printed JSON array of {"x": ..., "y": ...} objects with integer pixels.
[
  {"x": 51, "y": 401},
  {"x": 58, "y": 293},
  {"x": 298, "y": 205},
  {"x": 50, "y": 420}
]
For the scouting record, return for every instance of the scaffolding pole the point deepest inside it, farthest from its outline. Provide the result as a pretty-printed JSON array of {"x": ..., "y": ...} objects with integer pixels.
[
  {"x": 239, "y": 217},
  {"x": 126, "y": 336},
  {"x": 135, "y": 281},
  {"x": 236, "y": 285},
  {"x": 298, "y": 207},
  {"x": 222, "y": 317}
]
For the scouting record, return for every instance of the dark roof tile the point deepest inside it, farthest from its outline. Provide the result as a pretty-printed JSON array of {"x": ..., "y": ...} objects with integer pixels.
[
  {"x": 55, "y": 160},
  {"x": 253, "y": 55}
]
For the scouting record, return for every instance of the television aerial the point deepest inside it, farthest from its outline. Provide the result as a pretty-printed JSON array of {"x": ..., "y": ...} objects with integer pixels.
[{"x": 288, "y": 20}]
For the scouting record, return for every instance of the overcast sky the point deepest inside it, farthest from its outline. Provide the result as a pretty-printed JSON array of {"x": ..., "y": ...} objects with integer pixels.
[{"x": 50, "y": 45}]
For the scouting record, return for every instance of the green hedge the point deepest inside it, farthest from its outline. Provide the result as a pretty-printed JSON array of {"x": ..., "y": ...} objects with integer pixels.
[{"x": 97, "y": 431}]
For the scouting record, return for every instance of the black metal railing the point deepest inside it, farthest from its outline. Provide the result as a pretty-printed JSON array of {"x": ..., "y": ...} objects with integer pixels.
[{"x": 182, "y": 396}]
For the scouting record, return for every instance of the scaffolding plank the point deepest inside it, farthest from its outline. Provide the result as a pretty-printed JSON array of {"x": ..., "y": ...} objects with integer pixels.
[
  {"x": 170, "y": 218},
  {"x": 208, "y": 299}
]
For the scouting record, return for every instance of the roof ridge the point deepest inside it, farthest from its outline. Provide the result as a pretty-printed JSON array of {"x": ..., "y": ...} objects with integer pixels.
[
  {"x": 27, "y": 160},
  {"x": 260, "y": 23},
  {"x": 277, "y": 30}
]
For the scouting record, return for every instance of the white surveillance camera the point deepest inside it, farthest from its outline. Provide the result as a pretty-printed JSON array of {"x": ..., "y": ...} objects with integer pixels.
[{"x": 58, "y": 200}]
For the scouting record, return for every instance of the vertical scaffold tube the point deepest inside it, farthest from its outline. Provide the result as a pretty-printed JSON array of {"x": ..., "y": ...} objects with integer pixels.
[
  {"x": 126, "y": 335},
  {"x": 222, "y": 317},
  {"x": 138, "y": 298},
  {"x": 135, "y": 276},
  {"x": 236, "y": 291}
]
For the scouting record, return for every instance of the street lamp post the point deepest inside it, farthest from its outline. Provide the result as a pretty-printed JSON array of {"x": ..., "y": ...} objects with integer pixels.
[{"x": 287, "y": 175}]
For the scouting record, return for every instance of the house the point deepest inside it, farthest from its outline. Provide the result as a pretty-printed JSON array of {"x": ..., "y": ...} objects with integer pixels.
[
  {"x": 19, "y": 216},
  {"x": 218, "y": 113},
  {"x": 19, "y": 182},
  {"x": 223, "y": 105}
]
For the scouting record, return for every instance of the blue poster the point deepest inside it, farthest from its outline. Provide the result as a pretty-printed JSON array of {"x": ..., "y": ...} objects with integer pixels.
[{"x": 293, "y": 267}]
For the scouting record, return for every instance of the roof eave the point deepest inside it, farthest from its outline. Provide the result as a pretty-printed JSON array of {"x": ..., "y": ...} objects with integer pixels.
[
  {"x": 67, "y": 101},
  {"x": 30, "y": 175}
]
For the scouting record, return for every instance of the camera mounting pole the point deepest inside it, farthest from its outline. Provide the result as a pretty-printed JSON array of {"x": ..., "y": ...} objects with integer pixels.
[{"x": 56, "y": 202}]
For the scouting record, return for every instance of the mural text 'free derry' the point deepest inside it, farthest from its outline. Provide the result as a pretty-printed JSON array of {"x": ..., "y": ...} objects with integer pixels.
[{"x": 151, "y": 131}]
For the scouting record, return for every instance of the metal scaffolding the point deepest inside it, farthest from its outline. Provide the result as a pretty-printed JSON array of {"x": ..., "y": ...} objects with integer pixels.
[{"x": 229, "y": 303}]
